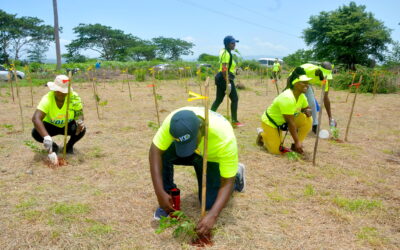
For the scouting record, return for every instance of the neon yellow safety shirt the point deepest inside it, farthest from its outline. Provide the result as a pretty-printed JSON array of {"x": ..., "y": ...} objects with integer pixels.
[
  {"x": 284, "y": 104},
  {"x": 224, "y": 58},
  {"x": 222, "y": 146},
  {"x": 276, "y": 67},
  {"x": 310, "y": 72},
  {"x": 56, "y": 116}
]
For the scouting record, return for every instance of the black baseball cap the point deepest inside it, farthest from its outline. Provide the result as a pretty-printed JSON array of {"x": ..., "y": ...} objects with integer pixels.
[{"x": 184, "y": 127}]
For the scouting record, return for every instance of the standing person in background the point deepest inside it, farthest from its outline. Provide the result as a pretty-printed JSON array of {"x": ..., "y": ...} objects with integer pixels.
[
  {"x": 276, "y": 70},
  {"x": 317, "y": 75},
  {"x": 227, "y": 68}
]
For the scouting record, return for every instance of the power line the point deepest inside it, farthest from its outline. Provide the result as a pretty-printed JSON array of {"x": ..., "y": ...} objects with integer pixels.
[{"x": 236, "y": 18}]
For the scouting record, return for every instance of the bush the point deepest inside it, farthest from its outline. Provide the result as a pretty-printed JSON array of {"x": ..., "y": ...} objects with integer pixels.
[
  {"x": 386, "y": 81},
  {"x": 251, "y": 64}
]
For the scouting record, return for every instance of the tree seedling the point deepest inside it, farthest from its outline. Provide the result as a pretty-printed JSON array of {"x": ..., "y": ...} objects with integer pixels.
[{"x": 184, "y": 227}]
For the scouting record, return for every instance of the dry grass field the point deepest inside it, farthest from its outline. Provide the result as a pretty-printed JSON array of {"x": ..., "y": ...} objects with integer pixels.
[{"x": 104, "y": 197}]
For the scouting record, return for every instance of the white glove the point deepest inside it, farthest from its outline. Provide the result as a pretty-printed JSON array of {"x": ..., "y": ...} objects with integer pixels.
[{"x": 48, "y": 142}]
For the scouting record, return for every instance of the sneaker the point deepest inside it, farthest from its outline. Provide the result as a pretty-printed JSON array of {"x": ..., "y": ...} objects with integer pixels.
[
  {"x": 237, "y": 124},
  {"x": 160, "y": 213},
  {"x": 240, "y": 179},
  {"x": 314, "y": 129},
  {"x": 259, "y": 140}
]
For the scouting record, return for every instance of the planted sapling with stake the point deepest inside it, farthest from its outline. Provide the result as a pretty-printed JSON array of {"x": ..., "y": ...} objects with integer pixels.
[{"x": 184, "y": 227}]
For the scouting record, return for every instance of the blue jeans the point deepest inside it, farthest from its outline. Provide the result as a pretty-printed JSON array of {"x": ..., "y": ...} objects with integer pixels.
[
  {"x": 169, "y": 158},
  {"x": 311, "y": 102}
]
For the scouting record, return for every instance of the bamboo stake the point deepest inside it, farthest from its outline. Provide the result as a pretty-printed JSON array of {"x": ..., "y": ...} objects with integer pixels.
[
  {"x": 205, "y": 150},
  {"x": 352, "y": 82},
  {"x": 375, "y": 84},
  {"x": 19, "y": 99},
  {"x": 96, "y": 98},
  {"x": 352, "y": 108},
  {"x": 30, "y": 84},
  {"x": 319, "y": 120},
  {"x": 129, "y": 87},
  {"x": 9, "y": 78},
  {"x": 227, "y": 92},
  {"x": 155, "y": 99},
  {"x": 67, "y": 116}
]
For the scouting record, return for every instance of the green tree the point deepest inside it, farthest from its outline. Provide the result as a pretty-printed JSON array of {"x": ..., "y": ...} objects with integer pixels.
[
  {"x": 36, "y": 53},
  {"x": 172, "y": 49},
  {"x": 207, "y": 58},
  {"x": 348, "y": 35},
  {"x": 144, "y": 50},
  {"x": 30, "y": 31},
  {"x": 111, "y": 44},
  {"x": 299, "y": 57},
  {"x": 7, "y": 30},
  {"x": 393, "y": 57}
]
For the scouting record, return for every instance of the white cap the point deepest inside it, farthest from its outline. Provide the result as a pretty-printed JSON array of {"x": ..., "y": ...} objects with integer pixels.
[{"x": 60, "y": 84}]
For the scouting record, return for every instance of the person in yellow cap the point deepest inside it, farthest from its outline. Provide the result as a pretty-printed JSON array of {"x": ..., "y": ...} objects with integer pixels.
[
  {"x": 276, "y": 70},
  {"x": 227, "y": 68},
  {"x": 318, "y": 74},
  {"x": 180, "y": 141},
  {"x": 289, "y": 111},
  {"x": 49, "y": 116}
]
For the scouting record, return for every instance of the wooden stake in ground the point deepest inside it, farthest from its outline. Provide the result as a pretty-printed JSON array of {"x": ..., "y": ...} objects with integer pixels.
[
  {"x": 357, "y": 85},
  {"x": 352, "y": 82},
  {"x": 96, "y": 97},
  {"x": 67, "y": 117},
  {"x": 375, "y": 84},
  {"x": 30, "y": 82},
  {"x": 129, "y": 85},
  {"x": 276, "y": 85},
  {"x": 227, "y": 92},
  {"x": 9, "y": 78},
  {"x": 155, "y": 98},
  {"x": 319, "y": 119},
  {"x": 19, "y": 98},
  {"x": 205, "y": 150}
]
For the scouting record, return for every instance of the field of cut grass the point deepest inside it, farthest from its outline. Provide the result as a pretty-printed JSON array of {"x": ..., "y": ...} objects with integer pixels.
[{"x": 104, "y": 197}]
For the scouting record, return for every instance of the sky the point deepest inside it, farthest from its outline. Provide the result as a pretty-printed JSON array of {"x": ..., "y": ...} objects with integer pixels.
[{"x": 264, "y": 28}]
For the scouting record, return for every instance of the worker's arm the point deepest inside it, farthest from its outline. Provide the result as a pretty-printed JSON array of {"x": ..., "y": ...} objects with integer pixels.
[
  {"x": 293, "y": 131},
  {"x": 207, "y": 222},
  {"x": 155, "y": 159}
]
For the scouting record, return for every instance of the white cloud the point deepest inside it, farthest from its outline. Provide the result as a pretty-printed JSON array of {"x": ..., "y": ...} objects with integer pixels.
[{"x": 270, "y": 46}]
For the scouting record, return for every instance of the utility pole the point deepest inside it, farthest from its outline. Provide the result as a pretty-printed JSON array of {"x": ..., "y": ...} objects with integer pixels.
[{"x": 56, "y": 35}]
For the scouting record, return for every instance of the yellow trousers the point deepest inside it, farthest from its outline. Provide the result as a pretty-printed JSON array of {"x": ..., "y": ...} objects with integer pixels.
[{"x": 272, "y": 140}]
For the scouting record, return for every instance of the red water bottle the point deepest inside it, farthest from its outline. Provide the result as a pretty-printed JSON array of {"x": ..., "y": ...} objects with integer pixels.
[{"x": 176, "y": 198}]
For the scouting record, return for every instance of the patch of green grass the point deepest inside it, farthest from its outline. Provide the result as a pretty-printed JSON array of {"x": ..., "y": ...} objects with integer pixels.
[
  {"x": 27, "y": 203},
  {"x": 127, "y": 128},
  {"x": 32, "y": 215},
  {"x": 388, "y": 151},
  {"x": 276, "y": 196},
  {"x": 309, "y": 190},
  {"x": 305, "y": 175},
  {"x": 8, "y": 126},
  {"x": 99, "y": 228},
  {"x": 35, "y": 148},
  {"x": 152, "y": 125},
  {"x": 96, "y": 152},
  {"x": 69, "y": 209},
  {"x": 356, "y": 204},
  {"x": 371, "y": 235}
]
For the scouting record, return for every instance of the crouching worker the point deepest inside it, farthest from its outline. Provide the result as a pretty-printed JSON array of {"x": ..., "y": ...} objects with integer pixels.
[
  {"x": 289, "y": 111},
  {"x": 180, "y": 141},
  {"x": 49, "y": 117}
]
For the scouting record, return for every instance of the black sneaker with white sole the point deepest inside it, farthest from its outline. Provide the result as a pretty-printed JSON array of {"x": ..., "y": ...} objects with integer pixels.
[{"x": 240, "y": 180}]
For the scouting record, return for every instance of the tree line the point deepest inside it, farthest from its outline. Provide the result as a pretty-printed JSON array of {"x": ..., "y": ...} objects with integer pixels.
[{"x": 348, "y": 35}]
